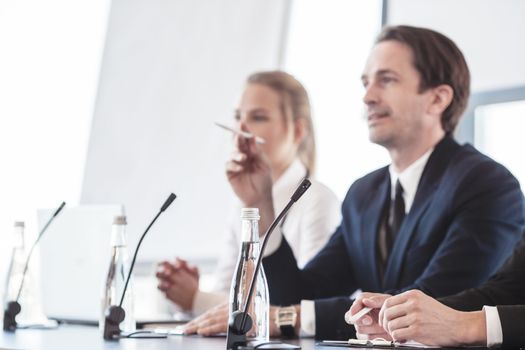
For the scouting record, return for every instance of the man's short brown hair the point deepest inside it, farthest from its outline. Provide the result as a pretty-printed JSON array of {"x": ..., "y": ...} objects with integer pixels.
[{"x": 438, "y": 61}]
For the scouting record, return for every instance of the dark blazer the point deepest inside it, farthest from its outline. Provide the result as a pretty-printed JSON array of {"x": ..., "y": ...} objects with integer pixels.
[
  {"x": 467, "y": 215},
  {"x": 506, "y": 289}
]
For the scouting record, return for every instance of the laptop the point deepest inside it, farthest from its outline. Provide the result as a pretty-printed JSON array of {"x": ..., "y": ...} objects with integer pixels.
[{"x": 74, "y": 258}]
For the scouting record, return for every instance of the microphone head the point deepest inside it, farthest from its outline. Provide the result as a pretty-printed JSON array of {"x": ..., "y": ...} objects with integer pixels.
[
  {"x": 60, "y": 208},
  {"x": 301, "y": 190},
  {"x": 168, "y": 201}
]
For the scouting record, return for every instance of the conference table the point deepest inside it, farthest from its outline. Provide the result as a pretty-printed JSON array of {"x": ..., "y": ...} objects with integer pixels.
[{"x": 89, "y": 338}]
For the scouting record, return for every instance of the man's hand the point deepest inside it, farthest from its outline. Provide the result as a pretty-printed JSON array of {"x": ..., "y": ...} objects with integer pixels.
[
  {"x": 414, "y": 315},
  {"x": 215, "y": 321},
  {"x": 179, "y": 282},
  {"x": 368, "y": 326}
]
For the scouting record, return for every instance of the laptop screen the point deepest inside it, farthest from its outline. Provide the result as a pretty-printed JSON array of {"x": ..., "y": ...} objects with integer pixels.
[{"x": 74, "y": 255}]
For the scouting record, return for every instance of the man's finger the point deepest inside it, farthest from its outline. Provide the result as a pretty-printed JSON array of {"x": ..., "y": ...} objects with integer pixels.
[
  {"x": 353, "y": 318},
  {"x": 357, "y": 305},
  {"x": 371, "y": 336},
  {"x": 375, "y": 329},
  {"x": 373, "y": 302}
]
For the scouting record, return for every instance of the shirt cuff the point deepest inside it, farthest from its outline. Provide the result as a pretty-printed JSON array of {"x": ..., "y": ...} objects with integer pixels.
[
  {"x": 307, "y": 318},
  {"x": 274, "y": 242},
  {"x": 494, "y": 332},
  {"x": 204, "y": 301}
]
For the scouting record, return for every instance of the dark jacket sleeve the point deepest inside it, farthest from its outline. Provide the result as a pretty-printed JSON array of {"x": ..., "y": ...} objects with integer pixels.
[
  {"x": 327, "y": 279},
  {"x": 512, "y": 319},
  {"x": 330, "y": 319},
  {"x": 327, "y": 274}
]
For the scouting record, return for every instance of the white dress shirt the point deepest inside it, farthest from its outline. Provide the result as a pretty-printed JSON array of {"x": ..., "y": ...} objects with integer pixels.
[
  {"x": 307, "y": 228},
  {"x": 409, "y": 179}
]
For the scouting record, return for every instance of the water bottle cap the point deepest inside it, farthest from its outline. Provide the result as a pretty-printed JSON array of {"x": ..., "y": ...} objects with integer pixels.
[
  {"x": 250, "y": 213},
  {"x": 120, "y": 220},
  {"x": 19, "y": 224}
]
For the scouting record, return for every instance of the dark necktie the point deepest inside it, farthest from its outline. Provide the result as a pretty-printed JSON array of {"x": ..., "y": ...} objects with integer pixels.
[{"x": 396, "y": 216}]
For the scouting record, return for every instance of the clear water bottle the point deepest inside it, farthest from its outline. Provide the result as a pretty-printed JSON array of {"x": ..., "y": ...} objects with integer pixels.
[
  {"x": 259, "y": 307},
  {"x": 116, "y": 277},
  {"x": 31, "y": 311},
  {"x": 16, "y": 264}
]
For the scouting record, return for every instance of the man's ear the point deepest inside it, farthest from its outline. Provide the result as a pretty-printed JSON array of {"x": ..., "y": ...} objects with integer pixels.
[{"x": 441, "y": 98}]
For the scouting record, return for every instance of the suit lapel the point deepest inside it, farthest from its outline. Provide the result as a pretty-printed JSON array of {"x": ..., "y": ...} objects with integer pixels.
[
  {"x": 371, "y": 219},
  {"x": 430, "y": 180}
]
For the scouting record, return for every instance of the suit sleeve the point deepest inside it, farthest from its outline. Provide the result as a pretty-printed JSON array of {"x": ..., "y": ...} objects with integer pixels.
[
  {"x": 326, "y": 277},
  {"x": 327, "y": 274},
  {"x": 487, "y": 220},
  {"x": 512, "y": 320}
]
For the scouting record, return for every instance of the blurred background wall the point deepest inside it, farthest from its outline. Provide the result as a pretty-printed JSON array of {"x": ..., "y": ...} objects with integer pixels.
[{"x": 114, "y": 101}]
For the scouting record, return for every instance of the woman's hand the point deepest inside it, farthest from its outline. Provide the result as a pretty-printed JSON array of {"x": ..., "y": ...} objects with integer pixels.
[
  {"x": 249, "y": 173},
  {"x": 179, "y": 282},
  {"x": 215, "y": 321}
]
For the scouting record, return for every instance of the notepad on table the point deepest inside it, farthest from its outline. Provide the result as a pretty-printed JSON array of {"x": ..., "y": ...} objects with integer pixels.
[{"x": 376, "y": 343}]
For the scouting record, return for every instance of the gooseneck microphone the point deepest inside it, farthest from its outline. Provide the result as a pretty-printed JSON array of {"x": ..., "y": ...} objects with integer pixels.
[
  {"x": 115, "y": 314},
  {"x": 240, "y": 321},
  {"x": 13, "y": 308}
]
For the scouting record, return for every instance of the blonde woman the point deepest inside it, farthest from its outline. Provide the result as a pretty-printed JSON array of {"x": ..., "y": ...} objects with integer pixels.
[{"x": 273, "y": 106}]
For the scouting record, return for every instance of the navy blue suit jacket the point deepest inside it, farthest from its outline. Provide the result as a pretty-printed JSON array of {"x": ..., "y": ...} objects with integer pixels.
[{"x": 467, "y": 215}]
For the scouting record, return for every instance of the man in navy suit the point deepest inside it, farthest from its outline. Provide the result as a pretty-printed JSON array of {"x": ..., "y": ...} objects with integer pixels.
[
  {"x": 463, "y": 211},
  {"x": 440, "y": 218}
]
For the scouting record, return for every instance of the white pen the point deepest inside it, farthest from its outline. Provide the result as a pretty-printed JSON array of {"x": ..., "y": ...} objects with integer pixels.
[
  {"x": 352, "y": 319},
  {"x": 245, "y": 134}
]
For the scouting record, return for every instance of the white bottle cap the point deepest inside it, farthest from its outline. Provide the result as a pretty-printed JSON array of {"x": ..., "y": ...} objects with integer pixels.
[
  {"x": 120, "y": 220},
  {"x": 250, "y": 213},
  {"x": 19, "y": 224}
]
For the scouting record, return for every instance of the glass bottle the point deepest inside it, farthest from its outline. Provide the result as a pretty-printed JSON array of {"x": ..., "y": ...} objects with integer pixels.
[
  {"x": 249, "y": 252},
  {"x": 16, "y": 264},
  {"x": 118, "y": 271},
  {"x": 26, "y": 294}
]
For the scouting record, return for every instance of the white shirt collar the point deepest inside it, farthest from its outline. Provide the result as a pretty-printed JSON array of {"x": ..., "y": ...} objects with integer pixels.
[{"x": 409, "y": 179}]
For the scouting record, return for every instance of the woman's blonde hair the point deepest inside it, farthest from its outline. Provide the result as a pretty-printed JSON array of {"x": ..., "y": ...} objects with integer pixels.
[{"x": 295, "y": 105}]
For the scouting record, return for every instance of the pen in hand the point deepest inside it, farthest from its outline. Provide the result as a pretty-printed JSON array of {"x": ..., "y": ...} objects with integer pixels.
[
  {"x": 351, "y": 319},
  {"x": 245, "y": 134}
]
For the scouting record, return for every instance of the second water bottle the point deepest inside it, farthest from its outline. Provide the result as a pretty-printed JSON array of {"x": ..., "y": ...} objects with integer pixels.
[{"x": 249, "y": 252}]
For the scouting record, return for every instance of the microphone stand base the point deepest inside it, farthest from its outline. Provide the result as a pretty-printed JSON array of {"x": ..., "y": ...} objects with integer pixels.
[
  {"x": 267, "y": 345},
  {"x": 12, "y": 309}
]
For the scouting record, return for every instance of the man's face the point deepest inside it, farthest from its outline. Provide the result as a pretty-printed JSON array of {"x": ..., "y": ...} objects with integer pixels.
[{"x": 396, "y": 110}]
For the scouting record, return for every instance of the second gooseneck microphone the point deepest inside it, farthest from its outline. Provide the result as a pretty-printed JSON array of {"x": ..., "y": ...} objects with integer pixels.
[
  {"x": 116, "y": 314},
  {"x": 240, "y": 321}
]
